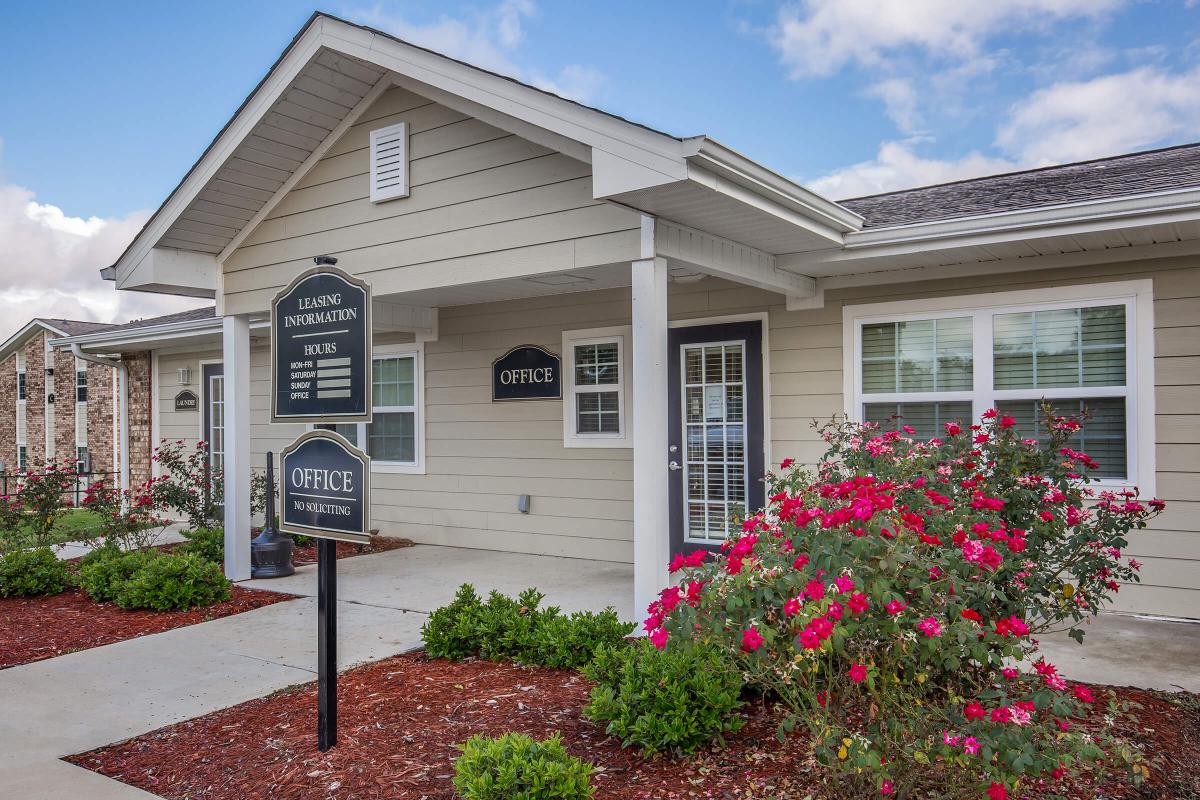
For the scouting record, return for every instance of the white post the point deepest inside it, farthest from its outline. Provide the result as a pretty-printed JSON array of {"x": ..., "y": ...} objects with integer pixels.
[
  {"x": 651, "y": 514},
  {"x": 236, "y": 338}
]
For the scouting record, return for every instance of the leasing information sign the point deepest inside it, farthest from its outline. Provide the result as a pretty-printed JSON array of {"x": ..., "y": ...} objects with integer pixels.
[
  {"x": 321, "y": 349},
  {"x": 326, "y": 488}
]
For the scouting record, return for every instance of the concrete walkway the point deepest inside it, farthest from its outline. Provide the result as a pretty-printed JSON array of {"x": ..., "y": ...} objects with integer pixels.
[
  {"x": 83, "y": 700},
  {"x": 171, "y": 534}
]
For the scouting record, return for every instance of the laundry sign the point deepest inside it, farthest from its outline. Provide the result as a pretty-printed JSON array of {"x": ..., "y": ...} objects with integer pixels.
[
  {"x": 527, "y": 372},
  {"x": 187, "y": 401}
]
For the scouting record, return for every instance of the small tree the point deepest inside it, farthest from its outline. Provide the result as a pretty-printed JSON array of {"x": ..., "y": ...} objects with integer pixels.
[
  {"x": 188, "y": 485},
  {"x": 887, "y": 599},
  {"x": 128, "y": 520}
]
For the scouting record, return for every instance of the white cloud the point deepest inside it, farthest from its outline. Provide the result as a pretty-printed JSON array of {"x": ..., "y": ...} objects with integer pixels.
[
  {"x": 52, "y": 261},
  {"x": 898, "y": 166},
  {"x": 1111, "y": 114},
  {"x": 489, "y": 39},
  {"x": 900, "y": 99},
  {"x": 820, "y": 37}
]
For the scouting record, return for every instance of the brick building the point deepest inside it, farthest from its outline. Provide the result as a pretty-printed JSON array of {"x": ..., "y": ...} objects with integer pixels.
[{"x": 55, "y": 407}]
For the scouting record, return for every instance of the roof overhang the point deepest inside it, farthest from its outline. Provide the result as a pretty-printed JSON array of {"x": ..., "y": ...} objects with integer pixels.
[
  {"x": 150, "y": 337},
  {"x": 334, "y": 69},
  {"x": 1133, "y": 227},
  {"x": 12, "y": 343}
]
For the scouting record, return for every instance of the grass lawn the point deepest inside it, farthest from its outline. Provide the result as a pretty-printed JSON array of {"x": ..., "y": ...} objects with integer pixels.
[{"x": 69, "y": 526}]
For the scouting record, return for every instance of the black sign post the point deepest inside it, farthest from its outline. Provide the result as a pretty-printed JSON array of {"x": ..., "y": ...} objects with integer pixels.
[
  {"x": 527, "y": 372},
  {"x": 321, "y": 349},
  {"x": 326, "y": 493}
]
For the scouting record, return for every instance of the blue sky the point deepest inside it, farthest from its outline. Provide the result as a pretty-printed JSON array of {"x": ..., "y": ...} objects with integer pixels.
[{"x": 107, "y": 105}]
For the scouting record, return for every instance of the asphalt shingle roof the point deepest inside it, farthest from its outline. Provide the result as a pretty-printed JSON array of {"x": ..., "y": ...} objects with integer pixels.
[
  {"x": 1118, "y": 176},
  {"x": 208, "y": 312},
  {"x": 75, "y": 327}
]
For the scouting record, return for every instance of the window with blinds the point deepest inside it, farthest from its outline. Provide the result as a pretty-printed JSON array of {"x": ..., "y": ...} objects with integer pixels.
[
  {"x": 393, "y": 436},
  {"x": 924, "y": 373}
]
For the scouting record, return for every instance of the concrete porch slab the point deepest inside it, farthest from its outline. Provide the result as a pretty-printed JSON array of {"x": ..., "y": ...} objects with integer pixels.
[{"x": 425, "y": 577}]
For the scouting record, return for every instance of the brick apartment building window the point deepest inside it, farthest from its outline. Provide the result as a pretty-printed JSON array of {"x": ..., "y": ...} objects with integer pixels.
[
  {"x": 81, "y": 386},
  {"x": 22, "y": 457},
  {"x": 21, "y": 385}
]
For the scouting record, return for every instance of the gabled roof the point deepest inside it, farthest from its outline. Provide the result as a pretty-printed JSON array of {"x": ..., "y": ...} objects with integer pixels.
[
  {"x": 57, "y": 327},
  {"x": 333, "y": 70},
  {"x": 1164, "y": 170},
  {"x": 72, "y": 327}
]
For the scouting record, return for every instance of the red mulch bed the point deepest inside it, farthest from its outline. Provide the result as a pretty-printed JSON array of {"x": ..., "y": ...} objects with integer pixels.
[
  {"x": 399, "y": 721},
  {"x": 34, "y": 628},
  {"x": 378, "y": 544}
]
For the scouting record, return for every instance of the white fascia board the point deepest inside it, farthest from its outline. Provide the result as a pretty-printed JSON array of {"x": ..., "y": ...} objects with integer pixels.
[
  {"x": 533, "y": 106},
  {"x": 1066, "y": 219},
  {"x": 727, "y": 259},
  {"x": 714, "y": 157},
  {"x": 150, "y": 336},
  {"x": 184, "y": 271},
  {"x": 19, "y": 338},
  {"x": 221, "y": 149}
]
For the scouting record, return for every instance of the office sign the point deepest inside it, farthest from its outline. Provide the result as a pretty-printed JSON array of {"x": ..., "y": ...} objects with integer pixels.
[
  {"x": 187, "y": 401},
  {"x": 321, "y": 349},
  {"x": 326, "y": 488},
  {"x": 527, "y": 372}
]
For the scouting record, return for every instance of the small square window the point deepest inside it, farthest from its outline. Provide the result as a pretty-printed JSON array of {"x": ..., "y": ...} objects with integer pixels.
[{"x": 594, "y": 401}]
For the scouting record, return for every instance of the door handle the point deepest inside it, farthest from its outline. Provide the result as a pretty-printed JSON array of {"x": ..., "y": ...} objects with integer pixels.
[{"x": 674, "y": 465}]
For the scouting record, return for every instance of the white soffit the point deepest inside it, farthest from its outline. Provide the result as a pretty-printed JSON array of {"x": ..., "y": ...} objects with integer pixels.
[{"x": 292, "y": 129}]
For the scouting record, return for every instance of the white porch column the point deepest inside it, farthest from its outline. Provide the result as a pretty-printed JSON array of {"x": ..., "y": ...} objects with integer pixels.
[
  {"x": 235, "y": 334},
  {"x": 651, "y": 520}
]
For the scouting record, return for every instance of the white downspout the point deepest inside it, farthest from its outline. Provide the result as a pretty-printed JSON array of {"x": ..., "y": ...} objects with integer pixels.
[{"x": 122, "y": 407}]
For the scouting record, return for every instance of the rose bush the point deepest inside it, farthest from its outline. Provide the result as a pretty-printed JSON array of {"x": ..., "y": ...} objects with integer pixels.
[
  {"x": 891, "y": 601},
  {"x": 187, "y": 485},
  {"x": 128, "y": 520}
]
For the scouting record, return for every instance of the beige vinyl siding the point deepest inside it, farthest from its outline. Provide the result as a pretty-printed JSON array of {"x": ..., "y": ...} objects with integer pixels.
[
  {"x": 482, "y": 202},
  {"x": 176, "y": 425},
  {"x": 806, "y": 382},
  {"x": 480, "y": 455}
]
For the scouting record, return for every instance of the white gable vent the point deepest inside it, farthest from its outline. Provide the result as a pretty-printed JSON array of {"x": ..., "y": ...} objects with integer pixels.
[{"x": 389, "y": 162}]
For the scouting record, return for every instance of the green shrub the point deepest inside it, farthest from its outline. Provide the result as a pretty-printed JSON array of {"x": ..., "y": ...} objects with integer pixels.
[
  {"x": 451, "y": 631},
  {"x": 207, "y": 543},
  {"x": 571, "y": 642},
  {"x": 516, "y": 767},
  {"x": 893, "y": 601},
  {"x": 24, "y": 573},
  {"x": 174, "y": 583},
  {"x": 104, "y": 571},
  {"x": 518, "y": 629},
  {"x": 675, "y": 700}
]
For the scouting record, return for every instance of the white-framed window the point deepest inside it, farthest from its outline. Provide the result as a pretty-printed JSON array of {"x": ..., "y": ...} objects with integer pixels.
[
  {"x": 395, "y": 437},
  {"x": 595, "y": 388},
  {"x": 923, "y": 363},
  {"x": 81, "y": 386},
  {"x": 21, "y": 386},
  {"x": 22, "y": 457}
]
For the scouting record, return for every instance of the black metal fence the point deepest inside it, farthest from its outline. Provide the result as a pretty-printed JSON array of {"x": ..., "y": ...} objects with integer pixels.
[{"x": 10, "y": 483}]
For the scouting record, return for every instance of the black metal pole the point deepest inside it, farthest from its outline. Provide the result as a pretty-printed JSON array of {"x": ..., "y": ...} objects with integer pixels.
[
  {"x": 326, "y": 644},
  {"x": 269, "y": 511}
]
